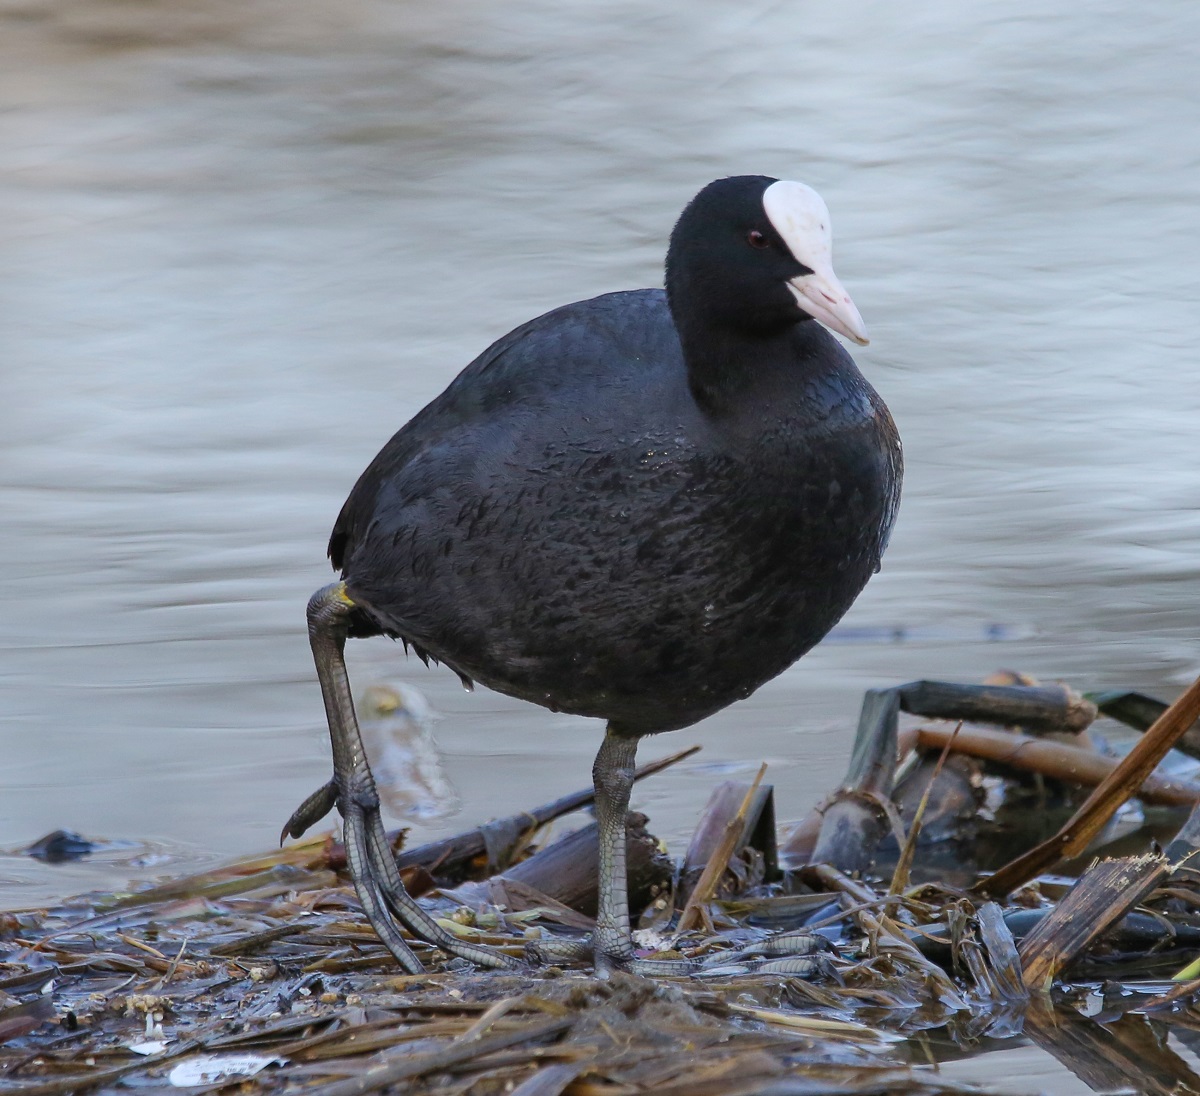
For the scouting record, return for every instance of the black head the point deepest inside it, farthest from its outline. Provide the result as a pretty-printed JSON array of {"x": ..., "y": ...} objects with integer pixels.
[{"x": 752, "y": 255}]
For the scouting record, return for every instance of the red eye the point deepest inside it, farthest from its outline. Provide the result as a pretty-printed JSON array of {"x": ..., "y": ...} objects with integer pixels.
[{"x": 756, "y": 239}]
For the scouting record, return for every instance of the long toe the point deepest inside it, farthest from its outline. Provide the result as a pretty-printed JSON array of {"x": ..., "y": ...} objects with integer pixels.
[
  {"x": 798, "y": 953},
  {"x": 374, "y": 901},
  {"x": 380, "y": 888},
  {"x": 559, "y": 949},
  {"x": 549, "y": 950},
  {"x": 628, "y": 962}
]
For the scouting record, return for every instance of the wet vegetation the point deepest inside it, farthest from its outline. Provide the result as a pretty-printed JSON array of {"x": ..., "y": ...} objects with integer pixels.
[{"x": 967, "y": 885}]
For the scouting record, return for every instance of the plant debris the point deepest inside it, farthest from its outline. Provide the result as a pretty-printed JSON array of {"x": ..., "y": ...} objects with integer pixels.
[{"x": 838, "y": 972}]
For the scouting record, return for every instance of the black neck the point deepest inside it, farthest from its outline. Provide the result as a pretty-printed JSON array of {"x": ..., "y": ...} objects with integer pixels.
[{"x": 722, "y": 362}]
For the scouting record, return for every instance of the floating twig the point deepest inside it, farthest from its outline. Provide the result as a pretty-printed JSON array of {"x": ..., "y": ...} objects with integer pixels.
[
  {"x": 1056, "y": 760},
  {"x": 1120, "y": 785},
  {"x": 1037, "y": 708}
]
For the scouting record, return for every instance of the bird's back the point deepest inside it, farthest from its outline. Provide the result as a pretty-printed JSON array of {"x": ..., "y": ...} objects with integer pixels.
[{"x": 566, "y": 524}]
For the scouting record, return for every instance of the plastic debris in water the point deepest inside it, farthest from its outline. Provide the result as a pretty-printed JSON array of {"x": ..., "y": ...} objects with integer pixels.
[
  {"x": 397, "y": 724},
  {"x": 211, "y": 1069},
  {"x": 152, "y": 1046}
]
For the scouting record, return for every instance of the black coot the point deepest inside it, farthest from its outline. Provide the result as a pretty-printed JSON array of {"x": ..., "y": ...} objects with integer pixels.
[{"x": 638, "y": 507}]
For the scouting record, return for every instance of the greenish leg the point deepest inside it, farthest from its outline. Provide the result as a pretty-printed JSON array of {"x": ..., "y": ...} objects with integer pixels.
[{"x": 352, "y": 791}]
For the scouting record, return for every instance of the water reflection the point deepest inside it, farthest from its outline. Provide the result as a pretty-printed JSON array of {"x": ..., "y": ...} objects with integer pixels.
[{"x": 243, "y": 243}]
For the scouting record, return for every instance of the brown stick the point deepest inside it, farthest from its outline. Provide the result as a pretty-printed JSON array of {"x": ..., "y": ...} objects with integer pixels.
[
  {"x": 758, "y": 832},
  {"x": 707, "y": 884},
  {"x": 1040, "y": 709},
  {"x": 450, "y": 857},
  {"x": 568, "y": 870},
  {"x": 1054, "y": 759},
  {"x": 1120, "y": 785},
  {"x": 904, "y": 863},
  {"x": 1103, "y": 895},
  {"x": 1184, "y": 989}
]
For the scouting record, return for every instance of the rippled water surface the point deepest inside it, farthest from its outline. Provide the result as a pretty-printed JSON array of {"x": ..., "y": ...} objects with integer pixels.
[{"x": 241, "y": 243}]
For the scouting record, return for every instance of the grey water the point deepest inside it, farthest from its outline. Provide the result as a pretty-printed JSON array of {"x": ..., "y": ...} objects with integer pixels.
[{"x": 240, "y": 244}]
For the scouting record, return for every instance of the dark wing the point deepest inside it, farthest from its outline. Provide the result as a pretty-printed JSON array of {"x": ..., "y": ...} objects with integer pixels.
[{"x": 570, "y": 347}]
